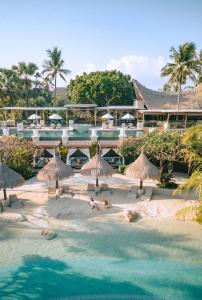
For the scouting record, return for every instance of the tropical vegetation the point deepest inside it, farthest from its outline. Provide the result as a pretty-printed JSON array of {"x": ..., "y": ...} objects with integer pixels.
[
  {"x": 54, "y": 66},
  {"x": 162, "y": 148},
  {"x": 103, "y": 88},
  {"x": 24, "y": 85},
  {"x": 18, "y": 154},
  {"x": 185, "y": 65},
  {"x": 192, "y": 139}
]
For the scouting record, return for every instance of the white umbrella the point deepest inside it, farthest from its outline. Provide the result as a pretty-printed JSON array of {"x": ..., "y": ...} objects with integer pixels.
[
  {"x": 107, "y": 116},
  {"x": 34, "y": 117},
  {"x": 55, "y": 117},
  {"x": 128, "y": 117}
]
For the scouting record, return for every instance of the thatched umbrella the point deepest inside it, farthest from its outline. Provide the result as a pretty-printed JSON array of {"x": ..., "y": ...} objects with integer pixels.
[
  {"x": 55, "y": 170},
  {"x": 142, "y": 169},
  {"x": 97, "y": 167},
  {"x": 9, "y": 178}
]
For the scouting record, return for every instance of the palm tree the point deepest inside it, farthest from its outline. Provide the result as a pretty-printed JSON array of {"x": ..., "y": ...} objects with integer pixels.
[
  {"x": 10, "y": 86},
  {"x": 25, "y": 73},
  {"x": 184, "y": 65},
  {"x": 192, "y": 138},
  {"x": 55, "y": 66}
]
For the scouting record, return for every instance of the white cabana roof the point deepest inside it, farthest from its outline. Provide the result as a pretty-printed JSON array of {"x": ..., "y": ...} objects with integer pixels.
[
  {"x": 55, "y": 117},
  {"x": 128, "y": 117},
  {"x": 107, "y": 116},
  {"x": 34, "y": 117}
]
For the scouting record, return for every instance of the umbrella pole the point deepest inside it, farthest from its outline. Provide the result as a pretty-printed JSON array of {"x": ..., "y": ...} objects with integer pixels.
[
  {"x": 141, "y": 183},
  {"x": 56, "y": 184},
  {"x": 5, "y": 195}
]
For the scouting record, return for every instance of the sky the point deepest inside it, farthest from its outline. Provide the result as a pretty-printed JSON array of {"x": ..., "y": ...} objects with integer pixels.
[{"x": 133, "y": 36}]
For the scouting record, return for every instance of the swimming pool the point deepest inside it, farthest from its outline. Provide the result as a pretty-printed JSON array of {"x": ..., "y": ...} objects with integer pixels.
[{"x": 148, "y": 258}]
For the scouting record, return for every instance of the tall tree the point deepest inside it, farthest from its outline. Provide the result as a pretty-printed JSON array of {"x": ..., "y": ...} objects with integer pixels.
[
  {"x": 54, "y": 66},
  {"x": 10, "y": 87},
  {"x": 184, "y": 65},
  {"x": 103, "y": 88},
  {"x": 25, "y": 73}
]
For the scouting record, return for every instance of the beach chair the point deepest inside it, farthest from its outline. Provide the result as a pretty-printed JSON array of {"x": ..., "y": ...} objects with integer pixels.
[
  {"x": 147, "y": 195},
  {"x": 105, "y": 189},
  {"x": 91, "y": 189},
  {"x": 13, "y": 198},
  {"x": 133, "y": 193},
  {"x": 14, "y": 202}
]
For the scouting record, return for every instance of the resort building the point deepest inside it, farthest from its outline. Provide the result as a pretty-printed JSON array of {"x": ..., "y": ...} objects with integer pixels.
[{"x": 78, "y": 126}]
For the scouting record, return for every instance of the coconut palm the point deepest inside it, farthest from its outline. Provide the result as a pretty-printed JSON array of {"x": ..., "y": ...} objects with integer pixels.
[
  {"x": 193, "y": 139},
  {"x": 25, "y": 73},
  {"x": 9, "y": 86},
  {"x": 184, "y": 65},
  {"x": 55, "y": 66}
]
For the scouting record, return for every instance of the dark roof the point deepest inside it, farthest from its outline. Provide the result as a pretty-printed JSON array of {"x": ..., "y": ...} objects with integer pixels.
[{"x": 190, "y": 99}]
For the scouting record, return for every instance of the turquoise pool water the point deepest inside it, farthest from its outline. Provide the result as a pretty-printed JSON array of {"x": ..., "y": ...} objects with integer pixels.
[
  {"x": 103, "y": 258},
  {"x": 79, "y": 133}
]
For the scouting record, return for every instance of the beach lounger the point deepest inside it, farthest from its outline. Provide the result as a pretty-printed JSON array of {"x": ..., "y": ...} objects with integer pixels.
[
  {"x": 132, "y": 193},
  {"x": 147, "y": 195},
  {"x": 91, "y": 189},
  {"x": 105, "y": 189},
  {"x": 14, "y": 202},
  {"x": 13, "y": 198}
]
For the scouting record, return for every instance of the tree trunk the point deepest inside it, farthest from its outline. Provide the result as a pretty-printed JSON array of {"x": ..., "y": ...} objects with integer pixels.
[
  {"x": 56, "y": 184},
  {"x": 5, "y": 195},
  {"x": 55, "y": 89},
  {"x": 96, "y": 184},
  {"x": 178, "y": 96},
  {"x": 161, "y": 170},
  {"x": 141, "y": 184}
]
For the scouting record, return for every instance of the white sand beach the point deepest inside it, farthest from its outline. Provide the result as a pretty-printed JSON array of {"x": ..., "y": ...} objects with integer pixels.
[{"x": 73, "y": 208}]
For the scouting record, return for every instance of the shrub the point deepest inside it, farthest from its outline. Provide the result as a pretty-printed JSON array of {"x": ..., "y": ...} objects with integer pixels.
[
  {"x": 63, "y": 153},
  {"x": 122, "y": 169},
  {"x": 188, "y": 213},
  {"x": 18, "y": 154},
  {"x": 93, "y": 149}
]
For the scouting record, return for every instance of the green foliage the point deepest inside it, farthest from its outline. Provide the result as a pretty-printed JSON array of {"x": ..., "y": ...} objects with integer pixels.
[
  {"x": 160, "y": 147},
  {"x": 54, "y": 66},
  {"x": 199, "y": 214},
  {"x": 93, "y": 149},
  {"x": 192, "y": 138},
  {"x": 163, "y": 147},
  {"x": 185, "y": 64},
  {"x": 102, "y": 88},
  {"x": 18, "y": 154},
  {"x": 122, "y": 169},
  {"x": 188, "y": 213},
  {"x": 129, "y": 149},
  {"x": 63, "y": 153},
  {"x": 168, "y": 185}
]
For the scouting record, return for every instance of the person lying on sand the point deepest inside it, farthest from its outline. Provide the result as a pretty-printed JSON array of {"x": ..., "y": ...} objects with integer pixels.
[
  {"x": 93, "y": 204},
  {"x": 105, "y": 202}
]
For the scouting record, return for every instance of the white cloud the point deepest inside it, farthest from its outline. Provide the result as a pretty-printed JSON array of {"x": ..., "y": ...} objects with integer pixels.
[{"x": 143, "y": 68}]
